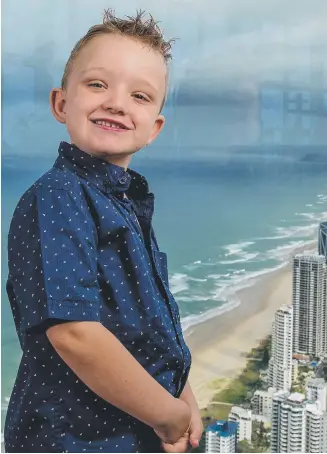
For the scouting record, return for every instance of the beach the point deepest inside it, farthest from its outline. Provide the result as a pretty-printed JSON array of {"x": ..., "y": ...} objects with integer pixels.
[{"x": 220, "y": 344}]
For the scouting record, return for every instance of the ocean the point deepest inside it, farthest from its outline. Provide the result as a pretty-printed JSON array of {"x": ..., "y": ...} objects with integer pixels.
[{"x": 222, "y": 222}]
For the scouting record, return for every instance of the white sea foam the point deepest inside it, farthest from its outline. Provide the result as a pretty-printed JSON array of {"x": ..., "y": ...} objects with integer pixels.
[
  {"x": 244, "y": 257},
  {"x": 214, "y": 276},
  {"x": 191, "y": 320},
  {"x": 198, "y": 264},
  {"x": 304, "y": 230},
  {"x": 286, "y": 251},
  {"x": 178, "y": 283},
  {"x": 236, "y": 249},
  {"x": 194, "y": 279},
  {"x": 228, "y": 284},
  {"x": 307, "y": 215},
  {"x": 293, "y": 231},
  {"x": 194, "y": 298},
  {"x": 226, "y": 292}
]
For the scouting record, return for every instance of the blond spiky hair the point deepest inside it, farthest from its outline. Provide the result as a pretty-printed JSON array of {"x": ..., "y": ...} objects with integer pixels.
[{"x": 139, "y": 28}]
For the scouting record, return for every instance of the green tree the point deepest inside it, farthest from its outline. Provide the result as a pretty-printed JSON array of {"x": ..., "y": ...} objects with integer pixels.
[
  {"x": 265, "y": 356},
  {"x": 245, "y": 446}
]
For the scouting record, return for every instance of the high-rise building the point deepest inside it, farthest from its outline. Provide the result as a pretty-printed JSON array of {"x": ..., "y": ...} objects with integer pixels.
[
  {"x": 221, "y": 437},
  {"x": 262, "y": 402},
  {"x": 316, "y": 390},
  {"x": 316, "y": 429},
  {"x": 322, "y": 239},
  {"x": 288, "y": 422},
  {"x": 298, "y": 425},
  {"x": 280, "y": 364},
  {"x": 309, "y": 305},
  {"x": 244, "y": 419}
]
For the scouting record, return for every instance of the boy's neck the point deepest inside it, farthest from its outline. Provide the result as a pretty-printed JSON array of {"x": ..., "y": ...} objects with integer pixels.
[{"x": 121, "y": 162}]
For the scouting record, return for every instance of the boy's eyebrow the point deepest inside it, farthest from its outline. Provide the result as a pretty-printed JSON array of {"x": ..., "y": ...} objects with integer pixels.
[
  {"x": 95, "y": 68},
  {"x": 102, "y": 68}
]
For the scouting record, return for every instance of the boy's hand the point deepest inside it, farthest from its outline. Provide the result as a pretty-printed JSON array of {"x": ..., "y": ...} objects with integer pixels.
[
  {"x": 179, "y": 423},
  {"x": 181, "y": 445},
  {"x": 196, "y": 428}
]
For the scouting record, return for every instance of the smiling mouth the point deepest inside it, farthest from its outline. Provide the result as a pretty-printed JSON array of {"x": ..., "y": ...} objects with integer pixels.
[{"x": 110, "y": 125}]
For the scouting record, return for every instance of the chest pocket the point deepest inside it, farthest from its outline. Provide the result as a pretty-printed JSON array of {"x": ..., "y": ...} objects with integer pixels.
[{"x": 162, "y": 266}]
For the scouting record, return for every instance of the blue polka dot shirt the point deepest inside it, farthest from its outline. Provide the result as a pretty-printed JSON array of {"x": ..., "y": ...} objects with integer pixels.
[{"x": 79, "y": 250}]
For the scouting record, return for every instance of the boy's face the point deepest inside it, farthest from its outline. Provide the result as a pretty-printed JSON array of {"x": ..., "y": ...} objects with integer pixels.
[{"x": 113, "y": 96}]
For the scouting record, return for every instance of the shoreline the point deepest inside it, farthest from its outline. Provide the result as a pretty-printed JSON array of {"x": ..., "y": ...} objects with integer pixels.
[{"x": 219, "y": 345}]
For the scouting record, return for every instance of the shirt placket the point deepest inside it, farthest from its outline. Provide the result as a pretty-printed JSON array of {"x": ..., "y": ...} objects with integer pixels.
[
  {"x": 147, "y": 235},
  {"x": 143, "y": 225}
]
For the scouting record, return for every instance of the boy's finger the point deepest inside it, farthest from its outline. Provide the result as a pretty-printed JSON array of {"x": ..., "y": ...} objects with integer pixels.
[
  {"x": 194, "y": 442},
  {"x": 195, "y": 435}
]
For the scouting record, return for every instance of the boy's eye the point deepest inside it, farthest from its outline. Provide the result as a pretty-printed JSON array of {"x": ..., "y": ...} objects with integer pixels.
[
  {"x": 96, "y": 85},
  {"x": 139, "y": 96}
]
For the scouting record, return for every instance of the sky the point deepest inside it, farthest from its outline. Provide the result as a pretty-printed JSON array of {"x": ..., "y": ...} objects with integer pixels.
[
  {"x": 224, "y": 51},
  {"x": 218, "y": 41}
]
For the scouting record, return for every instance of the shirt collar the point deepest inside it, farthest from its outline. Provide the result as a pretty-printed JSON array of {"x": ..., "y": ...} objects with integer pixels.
[{"x": 103, "y": 174}]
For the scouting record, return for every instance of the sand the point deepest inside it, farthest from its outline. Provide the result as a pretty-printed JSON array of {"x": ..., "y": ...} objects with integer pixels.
[{"x": 219, "y": 345}]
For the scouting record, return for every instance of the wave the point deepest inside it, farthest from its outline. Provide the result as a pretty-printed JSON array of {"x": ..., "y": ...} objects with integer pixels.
[
  {"x": 293, "y": 231},
  {"x": 218, "y": 276},
  {"x": 227, "y": 293},
  {"x": 192, "y": 320},
  {"x": 245, "y": 257},
  {"x": 286, "y": 251},
  {"x": 237, "y": 248},
  {"x": 311, "y": 216},
  {"x": 178, "y": 283},
  {"x": 224, "y": 286},
  {"x": 194, "y": 279},
  {"x": 198, "y": 264},
  {"x": 227, "y": 285}
]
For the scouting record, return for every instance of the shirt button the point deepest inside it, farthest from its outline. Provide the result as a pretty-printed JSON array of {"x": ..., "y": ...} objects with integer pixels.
[
  {"x": 122, "y": 180},
  {"x": 106, "y": 184}
]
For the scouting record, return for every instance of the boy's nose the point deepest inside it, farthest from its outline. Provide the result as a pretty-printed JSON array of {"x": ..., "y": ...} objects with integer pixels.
[{"x": 115, "y": 104}]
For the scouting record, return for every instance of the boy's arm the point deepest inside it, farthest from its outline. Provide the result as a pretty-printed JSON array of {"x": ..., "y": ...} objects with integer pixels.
[
  {"x": 188, "y": 396},
  {"x": 101, "y": 361}
]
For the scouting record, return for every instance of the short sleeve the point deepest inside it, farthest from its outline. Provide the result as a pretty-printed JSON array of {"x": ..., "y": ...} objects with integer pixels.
[{"x": 52, "y": 251}]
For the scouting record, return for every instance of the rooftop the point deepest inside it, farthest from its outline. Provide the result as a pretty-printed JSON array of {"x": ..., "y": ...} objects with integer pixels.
[
  {"x": 297, "y": 397},
  {"x": 310, "y": 256},
  {"x": 241, "y": 412},
  {"x": 223, "y": 428},
  {"x": 319, "y": 382}
]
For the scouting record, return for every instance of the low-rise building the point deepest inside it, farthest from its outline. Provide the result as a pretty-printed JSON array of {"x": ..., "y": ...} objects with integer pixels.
[
  {"x": 244, "y": 419},
  {"x": 262, "y": 402}
]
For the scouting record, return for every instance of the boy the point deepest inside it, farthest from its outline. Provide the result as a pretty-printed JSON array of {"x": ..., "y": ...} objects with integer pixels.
[{"x": 104, "y": 365}]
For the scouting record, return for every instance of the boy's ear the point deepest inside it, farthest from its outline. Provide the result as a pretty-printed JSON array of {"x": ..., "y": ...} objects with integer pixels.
[
  {"x": 57, "y": 104},
  {"x": 157, "y": 128}
]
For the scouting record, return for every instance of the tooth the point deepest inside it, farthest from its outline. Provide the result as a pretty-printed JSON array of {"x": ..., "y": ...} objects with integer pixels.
[{"x": 110, "y": 125}]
